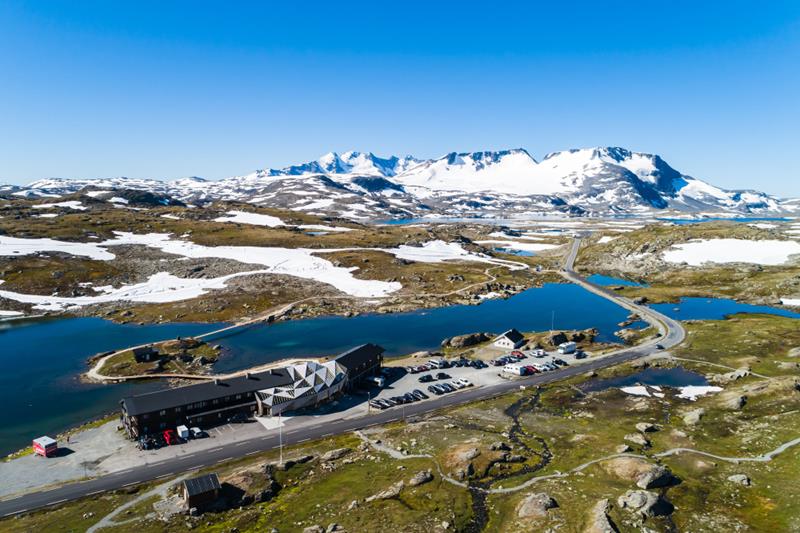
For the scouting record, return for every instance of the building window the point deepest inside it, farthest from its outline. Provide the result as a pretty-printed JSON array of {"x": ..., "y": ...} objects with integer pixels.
[
  {"x": 214, "y": 402},
  {"x": 177, "y": 409},
  {"x": 238, "y": 396},
  {"x": 162, "y": 412}
]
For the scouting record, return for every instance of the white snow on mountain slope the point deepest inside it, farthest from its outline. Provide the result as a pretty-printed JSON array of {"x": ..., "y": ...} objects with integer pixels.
[{"x": 588, "y": 181}]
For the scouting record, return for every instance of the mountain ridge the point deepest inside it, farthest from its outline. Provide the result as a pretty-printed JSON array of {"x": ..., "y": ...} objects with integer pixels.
[{"x": 582, "y": 181}]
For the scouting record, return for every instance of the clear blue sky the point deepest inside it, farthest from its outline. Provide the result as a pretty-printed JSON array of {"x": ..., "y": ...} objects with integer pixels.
[{"x": 171, "y": 89}]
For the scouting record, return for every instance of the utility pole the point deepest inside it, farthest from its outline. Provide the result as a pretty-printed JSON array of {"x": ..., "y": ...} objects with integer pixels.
[
  {"x": 369, "y": 407},
  {"x": 280, "y": 437}
]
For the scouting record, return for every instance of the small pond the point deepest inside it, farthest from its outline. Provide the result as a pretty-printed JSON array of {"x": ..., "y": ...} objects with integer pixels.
[
  {"x": 661, "y": 377},
  {"x": 715, "y": 309},
  {"x": 600, "y": 279}
]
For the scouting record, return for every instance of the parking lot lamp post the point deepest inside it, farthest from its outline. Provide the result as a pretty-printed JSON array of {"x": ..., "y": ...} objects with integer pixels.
[{"x": 280, "y": 438}]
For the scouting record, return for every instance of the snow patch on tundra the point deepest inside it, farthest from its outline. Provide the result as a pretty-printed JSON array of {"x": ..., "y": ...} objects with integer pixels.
[
  {"x": 692, "y": 392},
  {"x": 697, "y": 252},
  {"x": 256, "y": 219},
  {"x": 71, "y": 204}
]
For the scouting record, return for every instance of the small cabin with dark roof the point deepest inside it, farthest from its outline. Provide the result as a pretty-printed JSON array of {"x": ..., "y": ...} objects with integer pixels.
[
  {"x": 202, "y": 491},
  {"x": 144, "y": 354},
  {"x": 510, "y": 340}
]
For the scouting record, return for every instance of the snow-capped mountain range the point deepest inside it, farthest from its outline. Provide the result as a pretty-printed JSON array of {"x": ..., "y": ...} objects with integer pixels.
[{"x": 508, "y": 183}]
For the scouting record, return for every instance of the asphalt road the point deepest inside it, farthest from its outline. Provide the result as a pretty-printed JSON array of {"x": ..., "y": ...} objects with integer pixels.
[{"x": 673, "y": 335}]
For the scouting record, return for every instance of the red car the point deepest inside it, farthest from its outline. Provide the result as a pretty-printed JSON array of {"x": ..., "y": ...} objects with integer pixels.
[
  {"x": 531, "y": 370},
  {"x": 170, "y": 437},
  {"x": 517, "y": 353}
]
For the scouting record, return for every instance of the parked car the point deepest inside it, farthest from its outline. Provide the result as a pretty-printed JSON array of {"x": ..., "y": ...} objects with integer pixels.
[
  {"x": 421, "y": 395},
  {"x": 170, "y": 437},
  {"x": 427, "y": 378},
  {"x": 466, "y": 382},
  {"x": 560, "y": 362},
  {"x": 380, "y": 381},
  {"x": 530, "y": 369},
  {"x": 442, "y": 375},
  {"x": 447, "y": 387},
  {"x": 434, "y": 389},
  {"x": 660, "y": 346},
  {"x": 197, "y": 433},
  {"x": 377, "y": 405}
]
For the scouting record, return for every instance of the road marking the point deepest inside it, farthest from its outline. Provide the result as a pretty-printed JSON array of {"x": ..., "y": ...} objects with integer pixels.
[
  {"x": 163, "y": 476},
  {"x": 304, "y": 440},
  {"x": 215, "y": 449},
  {"x": 240, "y": 443},
  {"x": 252, "y": 453},
  {"x": 95, "y": 492},
  {"x": 129, "y": 484},
  {"x": 327, "y": 435},
  {"x": 59, "y": 501}
]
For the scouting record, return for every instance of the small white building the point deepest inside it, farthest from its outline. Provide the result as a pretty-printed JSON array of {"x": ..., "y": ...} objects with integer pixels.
[
  {"x": 514, "y": 370},
  {"x": 567, "y": 347},
  {"x": 510, "y": 340}
]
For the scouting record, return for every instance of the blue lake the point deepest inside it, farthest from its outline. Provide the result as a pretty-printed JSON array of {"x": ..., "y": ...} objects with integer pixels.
[
  {"x": 684, "y": 221},
  {"x": 600, "y": 279},
  {"x": 42, "y": 358},
  {"x": 715, "y": 309},
  {"x": 513, "y": 251},
  {"x": 663, "y": 377}
]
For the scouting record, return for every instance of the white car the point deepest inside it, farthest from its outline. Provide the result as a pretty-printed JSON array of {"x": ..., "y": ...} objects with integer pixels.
[{"x": 464, "y": 382}]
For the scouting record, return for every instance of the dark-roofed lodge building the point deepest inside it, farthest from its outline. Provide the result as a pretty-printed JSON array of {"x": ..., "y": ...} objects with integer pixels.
[{"x": 265, "y": 393}]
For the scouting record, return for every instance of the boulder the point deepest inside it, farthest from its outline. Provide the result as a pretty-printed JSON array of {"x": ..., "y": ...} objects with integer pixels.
[
  {"x": 387, "y": 494},
  {"x": 333, "y": 455},
  {"x": 638, "y": 439},
  {"x": 462, "y": 341},
  {"x": 794, "y": 352},
  {"x": 740, "y": 479},
  {"x": 535, "y": 505},
  {"x": 599, "y": 521},
  {"x": 646, "y": 427},
  {"x": 314, "y": 529},
  {"x": 640, "y": 300},
  {"x": 500, "y": 445},
  {"x": 420, "y": 478},
  {"x": 468, "y": 455},
  {"x": 734, "y": 402},
  {"x": 645, "y": 503},
  {"x": 622, "y": 448},
  {"x": 658, "y": 476},
  {"x": 557, "y": 338},
  {"x": 692, "y": 418}
]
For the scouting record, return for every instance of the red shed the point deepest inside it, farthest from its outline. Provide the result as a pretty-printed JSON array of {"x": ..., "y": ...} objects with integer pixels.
[{"x": 45, "y": 446}]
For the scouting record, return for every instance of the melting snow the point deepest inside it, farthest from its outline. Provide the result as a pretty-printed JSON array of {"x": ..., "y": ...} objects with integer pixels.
[
  {"x": 636, "y": 390},
  {"x": 321, "y": 227},
  {"x": 71, "y": 204},
  {"x": 526, "y": 246},
  {"x": 791, "y": 301},
  {"x": 769, "y": 252},
  {"x": 692, "y": 392},
  {"x": 256, "y": 219},
  {"x": 10, "y": 313},
  {"x": 605, "y": 239}
]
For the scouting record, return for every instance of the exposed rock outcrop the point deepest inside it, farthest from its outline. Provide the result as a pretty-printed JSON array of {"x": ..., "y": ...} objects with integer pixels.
[
  {"x": 536, "y": 505},
  {"x": 740, "y": 479},
  {"x": 462, "y": 341},
  {"x": 387, "y": 494},
  {"x": 692, "y": 418},
  {"x": 645, "y": 503},
  {"x": 420, "y": 478},
  {"x": 599, "y": 521}
]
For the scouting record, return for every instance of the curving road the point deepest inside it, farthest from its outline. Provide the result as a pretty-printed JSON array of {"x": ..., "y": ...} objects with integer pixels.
[{"x": 672, "y": 334}]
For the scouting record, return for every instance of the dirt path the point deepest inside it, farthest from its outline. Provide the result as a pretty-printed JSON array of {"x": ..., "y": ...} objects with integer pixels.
[{"x": 160, "y": 490}]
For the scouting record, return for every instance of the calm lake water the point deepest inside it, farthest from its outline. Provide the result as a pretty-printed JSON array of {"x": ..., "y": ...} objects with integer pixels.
[
  {"x": 600, "y": 279},
  {"x": 683, "y": 221},
  {"x": 715, "y": 309},
  {"x": 662, "y": 377},
  {"x": 42, "y": 358}
]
